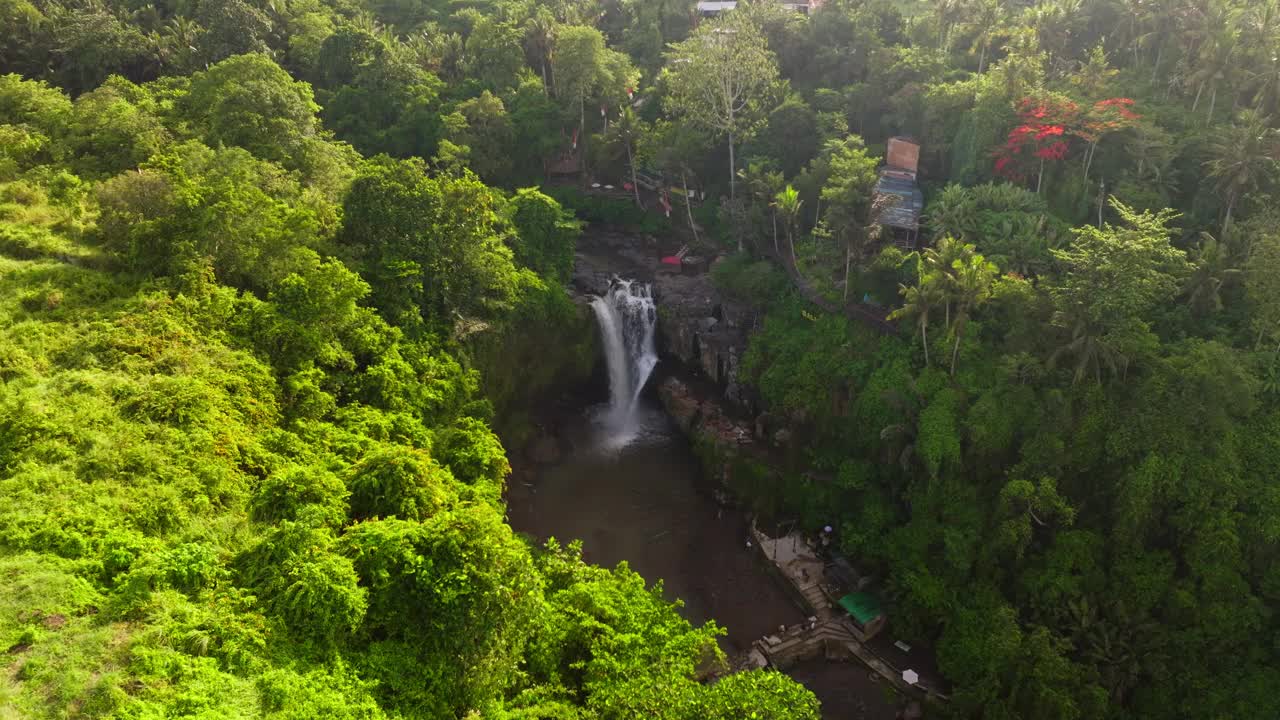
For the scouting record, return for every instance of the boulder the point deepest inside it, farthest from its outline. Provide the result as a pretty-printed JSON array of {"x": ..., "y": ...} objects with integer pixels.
[{"x": 679, "y": 403}]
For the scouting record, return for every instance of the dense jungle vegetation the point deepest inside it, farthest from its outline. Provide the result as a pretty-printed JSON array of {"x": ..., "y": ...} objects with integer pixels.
[{"x": 272, "y": 272}]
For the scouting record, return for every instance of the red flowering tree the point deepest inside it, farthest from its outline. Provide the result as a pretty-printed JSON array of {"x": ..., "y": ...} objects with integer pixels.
[
  {"x": 1047, "y": 126},
  {"x": 1043, "y": 135}
]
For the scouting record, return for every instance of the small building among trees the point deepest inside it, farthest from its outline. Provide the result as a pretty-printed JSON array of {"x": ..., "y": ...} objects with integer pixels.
[
  {"x": 711, "y": 8},
  {"x": 897, "y": 192}
]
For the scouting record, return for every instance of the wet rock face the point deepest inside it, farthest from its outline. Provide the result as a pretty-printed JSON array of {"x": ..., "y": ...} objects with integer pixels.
[
  {"x": 603, "y": 254},
  {"x": 591, "y": 276},
  {"x": 705, "y": 333}
]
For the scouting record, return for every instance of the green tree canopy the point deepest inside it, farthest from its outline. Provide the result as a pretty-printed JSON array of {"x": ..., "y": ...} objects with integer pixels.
[
  {"x": 251, "y": 102},
  {"x": 431, "y": 246},
  {"x": 719, "y": 77}
]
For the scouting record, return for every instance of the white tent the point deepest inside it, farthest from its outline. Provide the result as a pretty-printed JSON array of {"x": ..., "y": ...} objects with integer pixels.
[{"x": 911, "y": 676}]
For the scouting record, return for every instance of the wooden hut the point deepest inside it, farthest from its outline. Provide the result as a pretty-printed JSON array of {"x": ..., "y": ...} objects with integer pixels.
[{"x": 896, "y": 189}]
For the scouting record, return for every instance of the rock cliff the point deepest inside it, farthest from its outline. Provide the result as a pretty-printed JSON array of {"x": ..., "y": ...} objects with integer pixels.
[{"x": 697, "y": 329}]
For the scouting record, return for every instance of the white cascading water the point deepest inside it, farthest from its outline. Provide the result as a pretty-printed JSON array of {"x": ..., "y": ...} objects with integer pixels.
[{"x": 626, "y": 315}]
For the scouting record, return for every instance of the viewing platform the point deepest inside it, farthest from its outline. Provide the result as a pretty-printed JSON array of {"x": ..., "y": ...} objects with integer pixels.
[{"x": 831, "y": 631}]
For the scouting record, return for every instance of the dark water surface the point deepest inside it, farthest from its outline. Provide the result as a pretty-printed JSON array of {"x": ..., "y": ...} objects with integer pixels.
[{"x": 640, "y": 502}]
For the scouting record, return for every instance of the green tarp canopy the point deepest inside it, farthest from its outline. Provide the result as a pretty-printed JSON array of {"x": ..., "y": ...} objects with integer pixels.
[{"x": 862, "y": 606}]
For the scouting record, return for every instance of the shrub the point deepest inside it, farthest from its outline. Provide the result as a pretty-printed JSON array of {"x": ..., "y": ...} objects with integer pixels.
[
  {"x": 398, "y": 482},
  {"x": 284, "y": 494}
]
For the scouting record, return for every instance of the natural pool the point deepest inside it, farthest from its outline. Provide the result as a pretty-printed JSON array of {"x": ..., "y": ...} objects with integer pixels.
[{"x": 646, "y": 502}]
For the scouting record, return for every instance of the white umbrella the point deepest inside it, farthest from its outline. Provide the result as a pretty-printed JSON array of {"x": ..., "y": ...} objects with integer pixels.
[{"x": 911, "y": 676}]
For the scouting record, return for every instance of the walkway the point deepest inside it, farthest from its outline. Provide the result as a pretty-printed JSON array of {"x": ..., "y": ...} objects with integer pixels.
[{"x": 828, "y": 633}]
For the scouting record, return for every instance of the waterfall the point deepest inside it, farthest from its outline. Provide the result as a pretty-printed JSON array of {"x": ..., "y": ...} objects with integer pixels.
[{"x": 626, "y": 315}]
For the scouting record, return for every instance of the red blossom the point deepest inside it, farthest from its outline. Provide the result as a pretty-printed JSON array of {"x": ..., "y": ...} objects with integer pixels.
[
  {"x": 1056, "y": 151},
  {"x": 1048, "y": 123}
]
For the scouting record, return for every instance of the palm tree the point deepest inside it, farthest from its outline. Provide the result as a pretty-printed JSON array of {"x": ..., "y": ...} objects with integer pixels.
[
  {"x": 946, "y": 13},
  {"x": 177, "y": 42},
  {"x": 860, "y": 235},
  {"x": 1242, "y": 157},
  {"x": 971, "y": 279},
  {"x": 953, "y": 213},
  {"x": 671, "y": 148},
  {"x": 628, "y": 131},
  {"x": 986, "y": 19},
  {"x": 1260, "y": 38},
  {"x": 1215, "y": 39},
  {"x": 1213, "y": 266},
  {"x": 918, "y": 303},
  {"x": 788, "y": 203},
  {"x": 938, "y": 262},
  {"x": 1091, "y": 350},
  {"x": 1055, "y": 24},
  {"x": 540, "y": 40}
]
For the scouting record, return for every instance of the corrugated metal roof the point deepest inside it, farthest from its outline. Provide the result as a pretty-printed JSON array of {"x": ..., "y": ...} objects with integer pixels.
[
  {"x": 712, "y": 7},
  {"x": 906, "y": 212},
  {"x": 864, "y": 607}
]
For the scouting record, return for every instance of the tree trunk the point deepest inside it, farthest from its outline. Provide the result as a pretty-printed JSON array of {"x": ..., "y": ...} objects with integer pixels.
[
  {"x": 1102, "y": 200},
  {"x": 1226, "y": 221},
  {"x": 545, "y": 86},
  {"x": 924, "y": 337},
  {"x": 982, "y": 59},
  {"x": 1133, "y": 37},
  {"x": 1040, "y": 178},
  {"x": 733, "y": 180},
  {"x": 635, "y": 186},
  {"x": 733, "y": 185},
  {"x": 1196, "y": 103},
  {"x": 1213, "y": 100},
  {"x": 582, "y": 134},
  {"x": 688, "y": 205},
  {"x": 774, "y": 215},
  {"x": 848, "y": 257},
  {"x": 955, "y": 350},
  {"x": 1088, "y": 161},
  {"x": 1159, "y": 54}
]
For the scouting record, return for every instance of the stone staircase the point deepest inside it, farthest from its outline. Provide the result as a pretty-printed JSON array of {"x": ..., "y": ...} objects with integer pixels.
[
  {"x": 816, "y": 600},
  {"x": 834, "y": 639}
]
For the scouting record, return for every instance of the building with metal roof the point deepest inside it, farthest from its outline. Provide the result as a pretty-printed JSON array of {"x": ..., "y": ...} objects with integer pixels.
[
  {"x": 902, "y": 202},
  {"x": 709, "y": 8}
]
